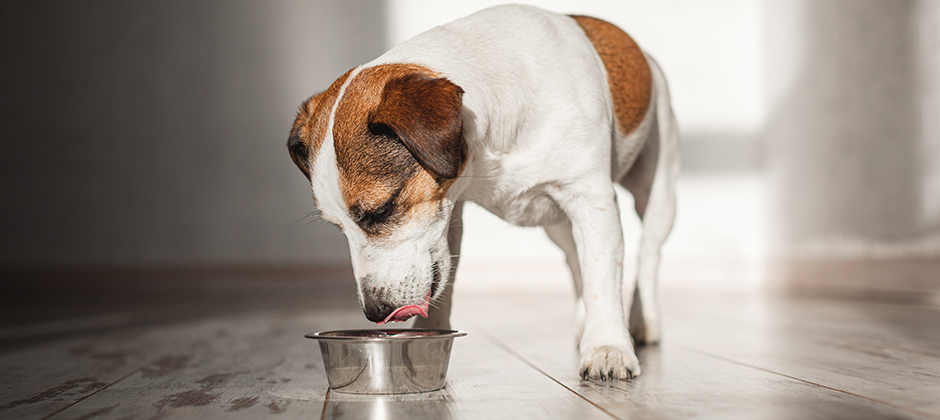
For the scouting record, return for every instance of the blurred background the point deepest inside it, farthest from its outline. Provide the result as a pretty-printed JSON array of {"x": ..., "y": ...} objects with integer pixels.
[{"x": 152, "y": 134}]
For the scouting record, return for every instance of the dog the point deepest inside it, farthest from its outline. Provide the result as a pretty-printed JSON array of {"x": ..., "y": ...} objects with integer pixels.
[{"x": 534, "y": 116}]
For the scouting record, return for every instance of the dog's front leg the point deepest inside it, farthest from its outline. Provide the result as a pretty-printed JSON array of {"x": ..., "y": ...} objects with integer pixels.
[
  {"x": 439, "y": 312},
  {"x": 606, "y": 349}
]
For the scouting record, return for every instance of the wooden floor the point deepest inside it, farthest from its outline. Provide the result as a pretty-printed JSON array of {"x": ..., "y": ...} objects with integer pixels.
[{"x": 230, "y": 345}]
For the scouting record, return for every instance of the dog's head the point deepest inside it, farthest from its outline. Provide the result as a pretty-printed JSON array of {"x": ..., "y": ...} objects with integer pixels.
[{"x": 381, "y": 148}]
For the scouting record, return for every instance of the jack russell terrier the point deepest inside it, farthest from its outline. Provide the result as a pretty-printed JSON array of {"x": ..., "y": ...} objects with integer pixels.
[{"x": 530, "y": 114}]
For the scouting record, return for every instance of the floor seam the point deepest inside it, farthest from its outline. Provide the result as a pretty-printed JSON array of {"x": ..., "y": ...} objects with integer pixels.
[
  {"x": 97, "y": 391},
  {"x": 128, "y": 375},
  {"x": 498, "y": 343},
  {"x": 700, "y": 352}
]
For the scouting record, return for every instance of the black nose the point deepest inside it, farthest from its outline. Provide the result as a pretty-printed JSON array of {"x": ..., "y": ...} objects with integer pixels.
[{"x": 374, "y": 305}]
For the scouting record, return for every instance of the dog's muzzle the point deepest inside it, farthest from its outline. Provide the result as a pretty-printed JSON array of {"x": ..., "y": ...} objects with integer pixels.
[
  {"x": 380, "y": 311},
  {"x": 405, "y": 313}
]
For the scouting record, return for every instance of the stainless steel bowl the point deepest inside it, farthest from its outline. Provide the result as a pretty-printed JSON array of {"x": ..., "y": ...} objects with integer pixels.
[{"x": 386, "y": 361}]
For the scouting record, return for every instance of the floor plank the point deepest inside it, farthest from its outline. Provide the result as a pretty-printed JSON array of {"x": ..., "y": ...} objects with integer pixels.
[
  {"x": 260, "y": 366},
  {"x": 41, "y": 381},
  {"x": 245, "y": 366},
  {"x": 680, "y": 381},
  {"x": 238, "y": 352},
  {"x": 879, "y": 351},
  {"x": 483, "y": 382}
]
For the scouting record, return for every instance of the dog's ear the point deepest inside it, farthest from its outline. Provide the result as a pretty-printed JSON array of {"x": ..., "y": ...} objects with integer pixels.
[
  {"x": 299, "y": 152},
  {"x": 296, "y": 144},
  {"x": 425, "y": 113}
]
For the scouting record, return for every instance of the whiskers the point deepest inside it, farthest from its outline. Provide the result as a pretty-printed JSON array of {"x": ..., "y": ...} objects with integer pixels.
[{"x": 311, "y": 217}]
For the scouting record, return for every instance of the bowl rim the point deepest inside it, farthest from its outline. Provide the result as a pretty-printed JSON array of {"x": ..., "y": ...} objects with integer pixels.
[{"x": 337, "y": 334}]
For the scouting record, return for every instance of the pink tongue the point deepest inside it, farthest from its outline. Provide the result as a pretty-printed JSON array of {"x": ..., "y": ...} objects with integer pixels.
[{"x": 406, "y": 312}]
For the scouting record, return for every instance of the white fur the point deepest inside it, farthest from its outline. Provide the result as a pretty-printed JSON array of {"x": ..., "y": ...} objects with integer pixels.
[{"x": 538, "y": 122}]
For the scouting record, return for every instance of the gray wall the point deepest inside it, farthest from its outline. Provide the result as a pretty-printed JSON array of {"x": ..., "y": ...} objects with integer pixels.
[
  {"x": 141, "y": 132},
  {"x": 850, "y": 151}
]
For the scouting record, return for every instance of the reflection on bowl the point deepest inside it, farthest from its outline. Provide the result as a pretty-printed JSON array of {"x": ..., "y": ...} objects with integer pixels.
[
  {"x": 386, "y": 361},
  {"x": 387, "y": 407}
]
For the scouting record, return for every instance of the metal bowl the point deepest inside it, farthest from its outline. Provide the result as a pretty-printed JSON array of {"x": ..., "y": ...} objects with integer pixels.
[{"x": 386, "y": 361}]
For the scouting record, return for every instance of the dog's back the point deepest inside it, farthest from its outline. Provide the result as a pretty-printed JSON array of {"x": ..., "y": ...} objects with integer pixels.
[
  {"x": 528, "y": 75},
  {"x": 535, "y": 83}
]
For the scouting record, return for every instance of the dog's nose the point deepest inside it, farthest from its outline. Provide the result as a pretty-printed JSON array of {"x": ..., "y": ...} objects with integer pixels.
[{"x": 375, "y": 307}]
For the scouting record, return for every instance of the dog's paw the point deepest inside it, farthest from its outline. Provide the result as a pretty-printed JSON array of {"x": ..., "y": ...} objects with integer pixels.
[{"x": 608, "y": 363}]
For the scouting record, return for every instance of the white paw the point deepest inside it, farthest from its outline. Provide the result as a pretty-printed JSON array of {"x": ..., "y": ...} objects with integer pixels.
[{"x": 608, "y": 362}]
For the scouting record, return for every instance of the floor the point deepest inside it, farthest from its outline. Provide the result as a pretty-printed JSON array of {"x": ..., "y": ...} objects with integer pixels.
[{"x": 229, "y": 344}]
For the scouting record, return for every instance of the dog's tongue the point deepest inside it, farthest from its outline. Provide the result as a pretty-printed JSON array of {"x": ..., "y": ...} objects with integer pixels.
[{"x": 406, "y": 312}]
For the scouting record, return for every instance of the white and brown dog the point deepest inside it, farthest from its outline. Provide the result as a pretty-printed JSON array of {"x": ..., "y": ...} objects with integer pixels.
[{"x": 532, "y": 115}]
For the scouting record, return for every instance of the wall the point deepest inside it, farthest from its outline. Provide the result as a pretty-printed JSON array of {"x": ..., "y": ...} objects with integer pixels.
[
  {"x": 154, "y": 132},
  {"x": 850, "y": 149}
]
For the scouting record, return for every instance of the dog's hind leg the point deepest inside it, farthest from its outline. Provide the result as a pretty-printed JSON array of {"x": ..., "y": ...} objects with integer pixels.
[
  {"x": 560, "y": 234},
  {"x": 439, "y": 312},
  {"x": 652, "y": 181}
]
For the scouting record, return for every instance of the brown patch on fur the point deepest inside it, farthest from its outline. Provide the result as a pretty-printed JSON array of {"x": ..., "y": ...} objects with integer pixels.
[
  {"x": 423, "y": 194},
  {"x": 424, "y": 111},
  {"x": 395, "y": 128},
  {"x": 309, "y": 128},
  {"x": 628, "y": 73}
]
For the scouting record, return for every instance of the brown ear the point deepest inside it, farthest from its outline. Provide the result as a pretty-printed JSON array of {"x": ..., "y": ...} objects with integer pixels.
[
  {"x": 297, "y": 143},
  {"x": 425, "y": 113}
]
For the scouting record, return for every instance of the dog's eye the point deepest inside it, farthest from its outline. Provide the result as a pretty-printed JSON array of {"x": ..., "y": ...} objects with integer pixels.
[
  {"x": 380, "y": 129},
  {"x": 379, "y": 216},
  {"x": 371, "y": 219}
]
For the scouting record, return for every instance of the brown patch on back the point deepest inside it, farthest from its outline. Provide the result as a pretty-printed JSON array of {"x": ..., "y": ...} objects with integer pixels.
[
  {"x": 309, "y": 128},
  {"x": 381, "y": 178},
  {"x": 628, "y": 73}
]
